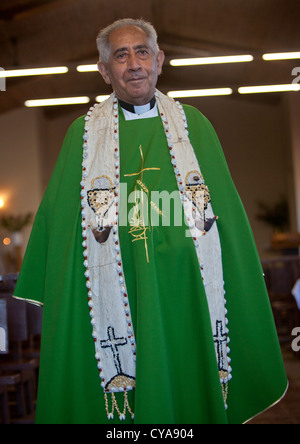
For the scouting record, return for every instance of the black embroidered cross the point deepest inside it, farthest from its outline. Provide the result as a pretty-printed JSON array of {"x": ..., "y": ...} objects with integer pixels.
[
  {"x": 219, "y": 339},
  {"x": 113, "y": 343}
]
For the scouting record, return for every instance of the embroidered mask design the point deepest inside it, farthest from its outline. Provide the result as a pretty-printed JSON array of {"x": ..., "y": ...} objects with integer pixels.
[
  {"x": 198, "y": 193},
  {"x": 100, "y": 198}
]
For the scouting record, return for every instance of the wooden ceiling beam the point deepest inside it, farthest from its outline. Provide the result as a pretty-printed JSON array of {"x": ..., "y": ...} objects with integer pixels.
[{"x": 29, "y": 9}]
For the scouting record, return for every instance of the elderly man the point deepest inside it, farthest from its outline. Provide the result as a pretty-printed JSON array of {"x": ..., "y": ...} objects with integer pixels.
[{"x": 155, "y": 308}]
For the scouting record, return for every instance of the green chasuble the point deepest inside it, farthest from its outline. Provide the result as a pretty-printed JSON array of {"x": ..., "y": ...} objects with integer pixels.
[{"x": 177, "y": 379}]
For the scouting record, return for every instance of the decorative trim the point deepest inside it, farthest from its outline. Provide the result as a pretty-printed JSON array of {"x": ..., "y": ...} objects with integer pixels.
[{"x": 113, "y": 331}]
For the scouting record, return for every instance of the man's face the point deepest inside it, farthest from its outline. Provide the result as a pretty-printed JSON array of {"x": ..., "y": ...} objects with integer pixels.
[{"x": 133, "y": 67}]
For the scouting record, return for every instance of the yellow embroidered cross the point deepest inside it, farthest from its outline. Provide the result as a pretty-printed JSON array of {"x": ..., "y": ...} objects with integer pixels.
[
  {"x": 143, "y": 169},
  {"x": 138, "y": 227}
]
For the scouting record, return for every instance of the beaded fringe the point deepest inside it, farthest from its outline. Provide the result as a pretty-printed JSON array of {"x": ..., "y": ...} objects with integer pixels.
[
  {"x": 114, "y": 406},
  {"x": 225, "y": 393},
  {"x": 126, "y": 407}
]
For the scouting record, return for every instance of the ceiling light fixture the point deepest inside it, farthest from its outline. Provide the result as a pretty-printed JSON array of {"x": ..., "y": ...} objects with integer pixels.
[
  {"x": 101, "y": 98},
  {"x": 211, "y": 60},
  {"x": 269, "y": 88},
  {"x": 33, "y": 71},
  {"x": 87, "y": 68},
  {"x": 59, "y": 101},
  {"x": 282, "y": 56},
  {"x": 201, "y": 92}
]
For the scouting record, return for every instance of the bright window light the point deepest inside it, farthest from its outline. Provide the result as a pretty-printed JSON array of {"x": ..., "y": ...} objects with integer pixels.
[
  {"x": 59, "y": 101},
  {"x": 33, "y": 71},
  {"x": 87, "y": 68},
  {"x": 211, "y": 60},
  {"x": 201, "y": 92},
  {"x": 282, "y": 56},
  {"x": 269, "y": 88},
  {"x": 102, "y": 98}
]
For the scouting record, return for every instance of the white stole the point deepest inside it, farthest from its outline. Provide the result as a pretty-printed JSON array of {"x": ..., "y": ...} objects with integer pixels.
[{"x": 113, "y": 331}]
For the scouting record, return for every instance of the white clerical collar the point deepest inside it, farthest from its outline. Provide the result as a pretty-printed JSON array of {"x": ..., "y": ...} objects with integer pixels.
[
  {"x": 132, "y": 112},
  {"x": 133, "y": 116}
]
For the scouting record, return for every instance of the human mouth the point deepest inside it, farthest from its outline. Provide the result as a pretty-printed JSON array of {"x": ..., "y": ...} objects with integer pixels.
[{"x": 136, "y": 79}]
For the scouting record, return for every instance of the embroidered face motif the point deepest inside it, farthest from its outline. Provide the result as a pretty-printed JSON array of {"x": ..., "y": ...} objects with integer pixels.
[
  {"x": 101, "y": 198},
  {"x": 197, "y": 191},
  {"x": 100, "y": 201}
]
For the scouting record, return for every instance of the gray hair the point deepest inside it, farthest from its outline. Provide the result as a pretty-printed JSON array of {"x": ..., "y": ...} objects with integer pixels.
[{"x": 103, "y": 44}]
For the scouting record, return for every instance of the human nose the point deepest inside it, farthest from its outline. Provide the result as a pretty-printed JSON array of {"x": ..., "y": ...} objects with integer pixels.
[{"x": 133, "y": 63}]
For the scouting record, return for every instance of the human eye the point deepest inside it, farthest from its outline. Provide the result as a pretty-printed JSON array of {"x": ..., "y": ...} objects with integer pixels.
[
  {"x": 120, "y": 56},
  {"x": 143, "y": 52}
]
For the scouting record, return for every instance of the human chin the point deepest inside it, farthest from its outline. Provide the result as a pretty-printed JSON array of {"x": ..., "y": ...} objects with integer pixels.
[{"x": 140, "y": 92}]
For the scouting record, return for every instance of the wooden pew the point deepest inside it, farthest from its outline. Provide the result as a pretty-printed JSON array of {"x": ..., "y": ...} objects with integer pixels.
[
  {"x": 3, "y": 327},
  {"x": 281, "y": 274},
  {"x": 18, "y": 371},
  {"x": 4, "y": 409},
  {"x": 11, "y": 380}
]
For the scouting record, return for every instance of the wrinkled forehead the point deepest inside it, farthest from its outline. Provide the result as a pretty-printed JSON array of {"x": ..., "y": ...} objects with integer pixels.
[{"x": 128, "y": 37}]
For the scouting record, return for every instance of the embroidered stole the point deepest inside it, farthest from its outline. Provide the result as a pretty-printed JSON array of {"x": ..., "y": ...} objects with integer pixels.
[{"x": 113, "y": 331}]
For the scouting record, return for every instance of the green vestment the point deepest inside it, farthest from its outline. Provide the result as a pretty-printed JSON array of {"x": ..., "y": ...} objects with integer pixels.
[{"x": 177, "y": 380}]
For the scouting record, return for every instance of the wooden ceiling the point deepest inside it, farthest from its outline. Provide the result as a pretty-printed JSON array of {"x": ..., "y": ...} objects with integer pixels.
[{"x": 35, "y": 33}]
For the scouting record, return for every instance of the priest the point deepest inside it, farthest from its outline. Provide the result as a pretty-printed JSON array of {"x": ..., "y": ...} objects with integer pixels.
[{"x": 155, "y": 306}]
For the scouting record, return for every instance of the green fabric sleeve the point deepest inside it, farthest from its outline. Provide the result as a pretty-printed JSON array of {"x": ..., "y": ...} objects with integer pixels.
[{"x": 66, "y": 175}]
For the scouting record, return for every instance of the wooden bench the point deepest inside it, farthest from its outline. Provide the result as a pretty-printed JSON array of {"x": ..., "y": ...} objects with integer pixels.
[
  {"x": 281, "y": 274},
  {"x": 4, "y": 409},
  {"x": 18, "y": 370}
]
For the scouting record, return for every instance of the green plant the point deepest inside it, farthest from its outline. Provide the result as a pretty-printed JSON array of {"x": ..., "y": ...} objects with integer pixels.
[
  {"x": 276, "y": 215},
  {"x": 15, "y": 223}
]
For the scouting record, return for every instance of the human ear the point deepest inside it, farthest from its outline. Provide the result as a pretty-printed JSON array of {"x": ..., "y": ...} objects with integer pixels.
[
  {"x": 104, "y": 72},
  {"x": 160, "y": 61}
]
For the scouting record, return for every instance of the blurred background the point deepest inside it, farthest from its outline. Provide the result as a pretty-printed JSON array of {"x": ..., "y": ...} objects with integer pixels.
[{"x": 259, "y": 129}]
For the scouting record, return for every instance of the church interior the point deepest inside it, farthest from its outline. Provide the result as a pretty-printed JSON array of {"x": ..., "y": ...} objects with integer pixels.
[{"x": 252, "y": 101}]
